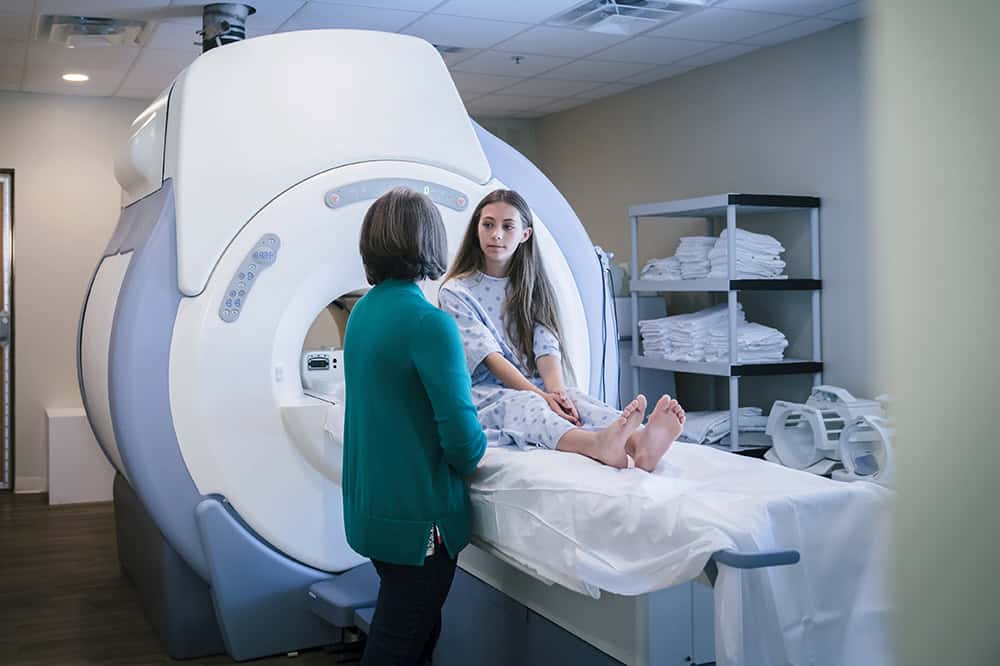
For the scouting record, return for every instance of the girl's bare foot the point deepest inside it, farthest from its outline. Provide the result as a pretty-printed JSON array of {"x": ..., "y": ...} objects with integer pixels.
[
  {"x": 611, "y": 440},
  {"x": 660, "y": 432}
]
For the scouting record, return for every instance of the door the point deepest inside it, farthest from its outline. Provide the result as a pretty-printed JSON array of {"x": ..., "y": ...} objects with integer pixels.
[{"x": 6, "y": 330}]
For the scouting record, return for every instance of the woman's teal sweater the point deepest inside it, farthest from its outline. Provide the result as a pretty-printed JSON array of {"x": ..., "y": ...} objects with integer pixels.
[{"x": 410, "y": 431}]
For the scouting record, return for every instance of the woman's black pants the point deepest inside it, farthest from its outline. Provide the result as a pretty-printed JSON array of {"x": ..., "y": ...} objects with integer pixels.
[{"x": 407, "y": 621}]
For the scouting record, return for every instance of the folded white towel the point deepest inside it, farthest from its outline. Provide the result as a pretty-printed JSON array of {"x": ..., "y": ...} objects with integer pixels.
[
  {"x": 748, "y": 239},
  {"x": 710, "y": 427},
  {"x": 668, "y": 268},
  {"x": 757, "y": 256}
]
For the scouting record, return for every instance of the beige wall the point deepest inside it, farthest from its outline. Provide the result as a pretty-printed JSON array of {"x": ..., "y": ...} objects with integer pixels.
[
  {"x": 936, "y": 92},
  {"x": 788, "y": 119},
  {"x": 66, "y": 205},
  {"x": 518, "y": 133}
]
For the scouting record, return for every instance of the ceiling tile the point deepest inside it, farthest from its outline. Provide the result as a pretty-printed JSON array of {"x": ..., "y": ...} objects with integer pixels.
[
  {"x": 507, "y": 103},
  {"x": 606, "y": 90},
  {"x": 559, "y": 42},
  {"x": 320, "y": 15},
  {"x": 12, "y": 53},
  {"x": 408, "y": 5},
  {"x": 564, "y": 104},
  {"x": 17, "y": 7},
  {"x": 269, "y": 16},
  {"x": 481, "y": 83},
  {"x": 456, "y": 57},
  {"x": 657, "y": 73},
  {"x": 462, "y": 31},
  {"x": 176, "y": 37},
  {"x": 128, "y": 9},
  {"x": 15, "y": 28},
  {"x": 48, "y": 79},
  {"x": 790, "y": 32},
  {"x": 790, "y": 7},
  {"x": 655, "y": 51},
  {"x": 10, "y": 77},
  {"x": 45, "y": 53},
  {"x": 469, "y": 96},
  {"x": 720, "y": 54},
  {"x": 535, "y": 11},
  {"x": 156, "y": 68},
  {"x": 550, "y": 87},
  {"x": 721, "y": 25},
  {"x": 502, "y": 64},
  {"x": 596, "y": 70},
  {"x": 852, "y": 12}
]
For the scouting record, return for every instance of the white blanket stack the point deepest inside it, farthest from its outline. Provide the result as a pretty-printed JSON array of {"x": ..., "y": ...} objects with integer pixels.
[
  {"x": 692, "y": 254},
  {"x": 662, "y": 269},
  {"x": 712, "y": 427},
  {"x": 757, "y": 256},
  {"x": 757, "y": 344},
  {"x": 704, "y": 336},
  {"x": 683, "y": 337}
]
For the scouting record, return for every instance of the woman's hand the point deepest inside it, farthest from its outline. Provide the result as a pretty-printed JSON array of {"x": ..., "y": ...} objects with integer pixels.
[{"x": 562, "y": 406}]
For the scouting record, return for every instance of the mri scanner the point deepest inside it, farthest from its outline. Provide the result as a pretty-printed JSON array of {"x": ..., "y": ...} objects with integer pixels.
[{"x": 244, "y": 187}]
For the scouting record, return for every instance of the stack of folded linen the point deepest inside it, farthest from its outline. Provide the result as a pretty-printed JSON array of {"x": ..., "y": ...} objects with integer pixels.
[
  {"x": 662, "y": 269},
  {"x": 757, "y": 256},
  {"x": 712, "y": 427},
  {"x": 704, "y": 336},
  {"x": 683, "y": 337},
  {"x": 756, "y": 344},
  {"x": 693, "y": 254}
]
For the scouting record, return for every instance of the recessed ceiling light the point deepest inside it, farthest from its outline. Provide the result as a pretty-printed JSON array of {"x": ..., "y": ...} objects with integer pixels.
[{"x": 76, "y": 78}]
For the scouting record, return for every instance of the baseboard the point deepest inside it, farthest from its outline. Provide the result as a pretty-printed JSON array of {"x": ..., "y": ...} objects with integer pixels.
[{"x": 24, "y": 485}]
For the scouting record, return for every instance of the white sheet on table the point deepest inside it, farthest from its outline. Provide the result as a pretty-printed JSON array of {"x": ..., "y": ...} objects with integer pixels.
[{"x": 629, "y": 532}]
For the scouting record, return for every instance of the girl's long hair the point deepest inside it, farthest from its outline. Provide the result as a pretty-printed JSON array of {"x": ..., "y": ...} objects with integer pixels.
[{"x": 530, "y": 297}]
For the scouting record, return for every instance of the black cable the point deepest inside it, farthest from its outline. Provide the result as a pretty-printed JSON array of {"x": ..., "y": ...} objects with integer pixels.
[
  {"x": 614, "y": 313},
  {"x": 606, "y": 277}
]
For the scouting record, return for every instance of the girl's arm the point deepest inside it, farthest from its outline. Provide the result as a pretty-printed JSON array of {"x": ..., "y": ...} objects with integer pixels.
[
  {"x": 550, "y": 368},
  {"x": 512, "y": 378},
  {"x": 508, "y": 375}
]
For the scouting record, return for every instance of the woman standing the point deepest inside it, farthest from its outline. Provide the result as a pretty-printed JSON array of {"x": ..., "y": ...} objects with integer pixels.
[{"x": 411, "y": 431}]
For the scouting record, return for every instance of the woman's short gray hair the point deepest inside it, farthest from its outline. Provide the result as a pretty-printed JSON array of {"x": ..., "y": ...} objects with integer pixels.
[{"x": 403, "y": 238}]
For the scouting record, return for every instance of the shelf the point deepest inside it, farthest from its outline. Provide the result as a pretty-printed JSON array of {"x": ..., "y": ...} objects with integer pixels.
[
  {"x": 788, "y": 366},
  {"x": 722, "y": 284},
  {"x": 715, "y": 206}
]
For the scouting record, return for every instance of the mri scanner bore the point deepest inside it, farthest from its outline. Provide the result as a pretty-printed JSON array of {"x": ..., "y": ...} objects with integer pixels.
[{"x": 229, "y": 461}]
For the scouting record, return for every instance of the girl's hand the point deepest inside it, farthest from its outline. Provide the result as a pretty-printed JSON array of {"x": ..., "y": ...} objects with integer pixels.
[
  {"x": 556, "y": 406},
  {"x": 567, "y": 404}
]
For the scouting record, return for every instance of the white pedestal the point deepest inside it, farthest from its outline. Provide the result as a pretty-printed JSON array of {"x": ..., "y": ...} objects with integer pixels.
[{"x": 78, "y": 469}]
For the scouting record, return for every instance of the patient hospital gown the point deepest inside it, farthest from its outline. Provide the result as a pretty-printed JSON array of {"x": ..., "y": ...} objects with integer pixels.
[{"x": 510, "y": 416}]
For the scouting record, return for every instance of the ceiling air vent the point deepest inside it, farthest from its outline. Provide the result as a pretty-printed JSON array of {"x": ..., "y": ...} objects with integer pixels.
[
  {"x": 89, "y": 32},
  {"x": 624, "y": 17}
]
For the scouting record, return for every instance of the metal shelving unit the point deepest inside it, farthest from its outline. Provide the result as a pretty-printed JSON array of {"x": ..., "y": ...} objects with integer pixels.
[{"x": 727, "y": 206}]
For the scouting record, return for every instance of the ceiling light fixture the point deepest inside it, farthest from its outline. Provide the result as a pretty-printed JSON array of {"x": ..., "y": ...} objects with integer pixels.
[{"x": 75, "y": 78}]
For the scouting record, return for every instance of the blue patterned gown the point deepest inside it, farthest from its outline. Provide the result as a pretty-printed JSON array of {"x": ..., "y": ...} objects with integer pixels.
[{"x": 510, "y": 416}]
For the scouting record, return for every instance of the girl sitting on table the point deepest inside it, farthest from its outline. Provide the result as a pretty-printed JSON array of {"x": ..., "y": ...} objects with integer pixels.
[{"x": 505, "y": 307}]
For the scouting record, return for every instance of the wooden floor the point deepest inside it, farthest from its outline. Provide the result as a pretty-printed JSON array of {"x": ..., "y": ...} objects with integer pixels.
[{"x": 63, "y": 599}]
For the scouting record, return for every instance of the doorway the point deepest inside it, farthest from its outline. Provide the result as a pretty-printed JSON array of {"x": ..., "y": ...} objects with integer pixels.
[{"x": 7, "y": 330}]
